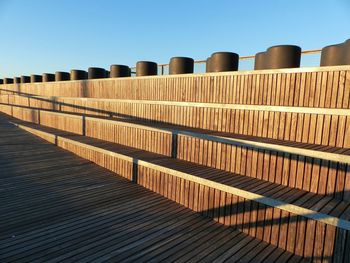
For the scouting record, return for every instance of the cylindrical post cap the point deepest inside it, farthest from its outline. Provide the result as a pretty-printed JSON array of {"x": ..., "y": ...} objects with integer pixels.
[
  {"x": 260, "y": 61},
  {"x": 207, "y": 65},
  {"x": 224, "y": 61},
  {"x": 8, "y": 81},
  {"x": 25, "y": 79},
  {"x": 47, "y": 77},
  {"x": 181, "y": 65},
  {"x": 96, "y": 73},
  {"x": 119, "y": 71},
  {"x": 76, "y": 74},
  {"x": 62, "y": 76},
  {"x": 17, "y": 80},
  {"x": 35, "y": 78},
  {"x": 332, "y": 55},
  {"x": 146, "y": 68},
  {"x": 283, "y": 56}
]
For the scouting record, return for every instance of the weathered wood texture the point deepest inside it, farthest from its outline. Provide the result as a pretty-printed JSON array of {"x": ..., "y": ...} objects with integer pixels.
[
  {"x": 327, "y": 87},
  {"x": 58, "y": 207},
  {"x": 291, "y": 169},
  {"x": 289, "y": 231},
  {"x": 328, "y": 127}
]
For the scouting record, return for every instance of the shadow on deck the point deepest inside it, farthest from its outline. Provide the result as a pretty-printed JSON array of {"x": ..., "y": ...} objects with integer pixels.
[{"x": 56, "y": 206}]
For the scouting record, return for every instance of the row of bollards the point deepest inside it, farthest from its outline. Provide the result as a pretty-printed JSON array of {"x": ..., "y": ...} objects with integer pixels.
[
  {"x": 276, "y": 57},
  {"x": 288, "y": 56},
  {"x": 117, "y": 71}
]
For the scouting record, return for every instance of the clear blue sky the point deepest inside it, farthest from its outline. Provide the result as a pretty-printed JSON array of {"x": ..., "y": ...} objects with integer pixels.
[{"x": 48, "y": 35}]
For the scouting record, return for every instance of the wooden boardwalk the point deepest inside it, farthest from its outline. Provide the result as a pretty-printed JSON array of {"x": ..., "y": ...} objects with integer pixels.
[
  {"x": 56, "y": 206},
  {"x": 264, "y": 152}
]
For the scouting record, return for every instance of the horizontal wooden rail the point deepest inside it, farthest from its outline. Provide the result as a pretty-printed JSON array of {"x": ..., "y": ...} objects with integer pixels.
[
  {"x": 250, "y": 107},
  {"x": 324, "y": 155},
  {"x": 309, "y": 110},
  {"x": 329, "y": 156},
  {"x": 275, "y": 122}
]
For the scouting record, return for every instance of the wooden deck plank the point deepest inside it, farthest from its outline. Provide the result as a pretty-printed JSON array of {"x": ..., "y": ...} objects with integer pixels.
[{"x": 82, "y": 211}]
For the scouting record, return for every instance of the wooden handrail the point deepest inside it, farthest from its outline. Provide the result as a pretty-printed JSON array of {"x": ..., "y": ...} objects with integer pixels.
[
  {"x": 252, "y": 142},
  {"x": 304, "y": 52}
]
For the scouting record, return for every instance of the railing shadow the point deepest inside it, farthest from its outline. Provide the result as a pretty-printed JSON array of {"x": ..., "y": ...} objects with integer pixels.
[
  {"x": 251, "y": 217},
  {"x": 239, "y": 211}
]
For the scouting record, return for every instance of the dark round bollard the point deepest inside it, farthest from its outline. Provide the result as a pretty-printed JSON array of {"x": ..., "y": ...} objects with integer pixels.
[
  {"x": 17, "y": 80},
  {"x": 146, "y": 68},
  {"x": 25, "y": 79},
  {"x": 207, "y": 65},
  {"x": 8, "y": 81},
  {"x": 332, "y": 55},
  {"x": 260, "y": 61},
  {"x": 76, "y": 74},
  {"x": 1, "y": 81},
  {"x": 96, "y": 73},
  {"x": 62, "y": 76},
  {"x": 346, "y": 59},
  {"x": 224, "y": 61},
  {"x": 283, "y": 56},
  {"x": 181, "y": 65},
  {"x": 47, "y": 77},
  {"x": 119, "y": 71},
  {"x": 35, "y": 78}
]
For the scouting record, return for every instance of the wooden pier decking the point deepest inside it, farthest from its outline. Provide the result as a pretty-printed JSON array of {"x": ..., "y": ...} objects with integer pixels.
[{"x": 56, "y": 207}]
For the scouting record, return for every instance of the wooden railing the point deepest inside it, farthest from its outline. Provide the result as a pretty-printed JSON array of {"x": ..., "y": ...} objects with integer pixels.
[{"x": 241, "y": 58}]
